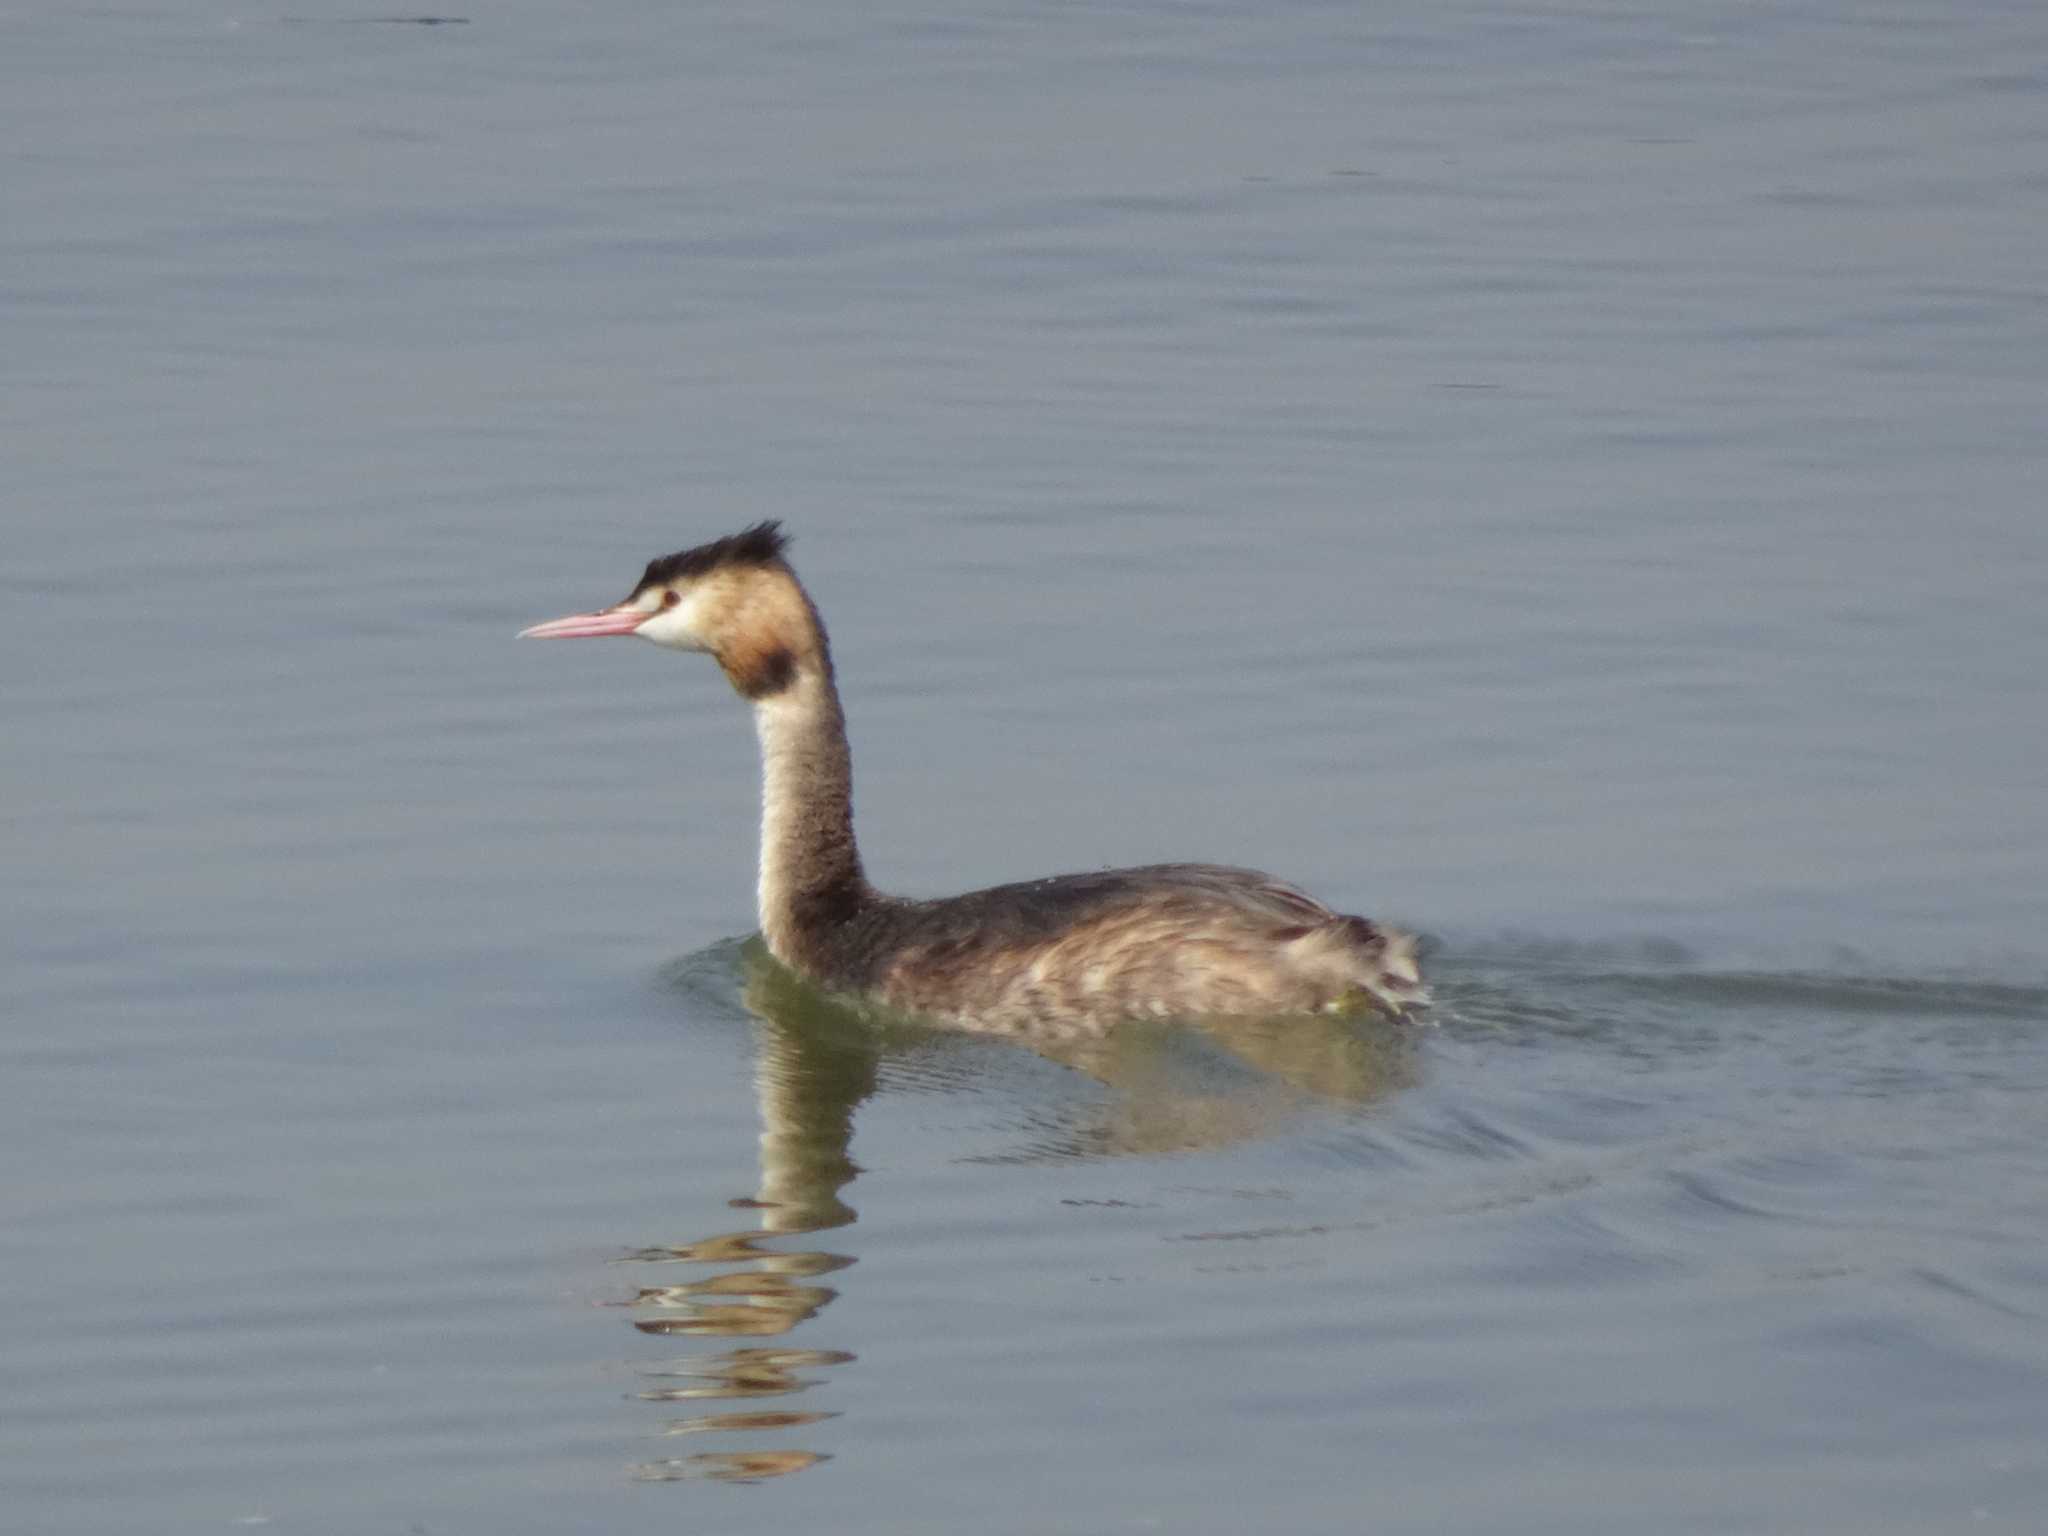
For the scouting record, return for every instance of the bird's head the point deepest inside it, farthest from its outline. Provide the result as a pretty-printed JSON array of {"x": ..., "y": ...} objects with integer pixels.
[{"x": 735, "y": 598}]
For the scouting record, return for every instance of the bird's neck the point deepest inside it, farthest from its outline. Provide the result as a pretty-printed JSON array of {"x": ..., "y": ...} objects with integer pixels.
[{"x": 811, "y": 879}]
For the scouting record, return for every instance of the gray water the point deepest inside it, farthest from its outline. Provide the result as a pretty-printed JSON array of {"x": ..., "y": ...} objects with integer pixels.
[{"x": 1568, "y": 479}]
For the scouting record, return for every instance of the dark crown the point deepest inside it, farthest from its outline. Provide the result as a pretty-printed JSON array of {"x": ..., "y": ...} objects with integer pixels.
[{"x": 761, "y": 544}]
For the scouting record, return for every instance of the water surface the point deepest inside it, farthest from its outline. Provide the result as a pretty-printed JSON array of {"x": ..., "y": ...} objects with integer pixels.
[{"x": 1567, "y": 480}]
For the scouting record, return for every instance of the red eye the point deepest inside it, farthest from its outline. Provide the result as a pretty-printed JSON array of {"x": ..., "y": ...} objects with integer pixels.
[{"x": 670, "y": 598}]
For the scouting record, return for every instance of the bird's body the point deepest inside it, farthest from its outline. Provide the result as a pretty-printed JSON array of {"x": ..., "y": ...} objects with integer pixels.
[{"x": 1070, "y": 953}]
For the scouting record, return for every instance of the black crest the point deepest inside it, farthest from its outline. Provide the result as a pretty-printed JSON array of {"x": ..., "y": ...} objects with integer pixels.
[{"x": 761, "y": 544}]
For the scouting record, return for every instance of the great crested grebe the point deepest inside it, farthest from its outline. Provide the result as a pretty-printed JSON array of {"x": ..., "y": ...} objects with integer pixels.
[{"x": 1071, "y": 952}]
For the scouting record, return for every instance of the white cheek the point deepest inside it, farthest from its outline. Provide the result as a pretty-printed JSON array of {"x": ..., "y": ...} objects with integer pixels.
[{"x": 674, "y": 627}]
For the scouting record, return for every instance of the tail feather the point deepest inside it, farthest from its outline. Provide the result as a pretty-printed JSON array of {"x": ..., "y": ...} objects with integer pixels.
[{"x": 1353, "y": 955}]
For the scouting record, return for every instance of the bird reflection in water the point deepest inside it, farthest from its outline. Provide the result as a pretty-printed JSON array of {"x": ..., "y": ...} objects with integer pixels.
[{"x": 817, "y": 1059}]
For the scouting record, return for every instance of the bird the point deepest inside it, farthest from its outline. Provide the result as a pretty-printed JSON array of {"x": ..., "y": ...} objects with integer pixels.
[{"x": 1073, "y": 954}]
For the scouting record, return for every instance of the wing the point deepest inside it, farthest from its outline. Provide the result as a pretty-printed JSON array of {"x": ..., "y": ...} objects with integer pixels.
[{"x": 1031, "y": 911}]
